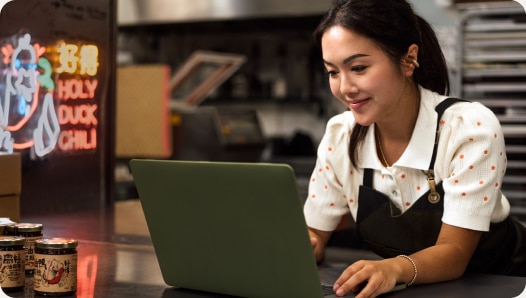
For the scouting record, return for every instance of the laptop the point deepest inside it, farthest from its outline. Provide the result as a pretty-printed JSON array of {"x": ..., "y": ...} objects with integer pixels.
[{"x": 228, "y": 228}]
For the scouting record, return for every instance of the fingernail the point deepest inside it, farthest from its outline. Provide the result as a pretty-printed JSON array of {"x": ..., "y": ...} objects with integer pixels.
[{"x": 339, "y": 292}]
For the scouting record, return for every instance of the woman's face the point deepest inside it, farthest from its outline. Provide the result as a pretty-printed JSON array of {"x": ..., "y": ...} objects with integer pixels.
[{"x": 362, "y": 76}]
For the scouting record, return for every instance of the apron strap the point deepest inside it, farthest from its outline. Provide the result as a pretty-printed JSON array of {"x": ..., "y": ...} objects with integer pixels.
[
  {"x": 368, "y": 177},
  {"x": 440, "y": 108}
]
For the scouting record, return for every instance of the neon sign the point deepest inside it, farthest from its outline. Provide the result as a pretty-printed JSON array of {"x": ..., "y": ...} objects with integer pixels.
[
  {"x": 48, "y": 101},
  {"x": 71, "y": 59},
  {"x": 76, "y": 89}
]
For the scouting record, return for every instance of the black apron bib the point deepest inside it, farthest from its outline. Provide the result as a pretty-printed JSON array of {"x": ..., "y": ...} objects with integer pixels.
[{"x": 389, "y": 233}]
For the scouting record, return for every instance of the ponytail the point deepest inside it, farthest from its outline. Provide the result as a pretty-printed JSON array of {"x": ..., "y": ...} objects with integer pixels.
[{"x": 432, "y": 73}]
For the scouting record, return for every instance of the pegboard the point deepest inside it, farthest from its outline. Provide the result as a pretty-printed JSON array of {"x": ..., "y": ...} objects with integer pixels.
[{"x": 143, "y": 126}]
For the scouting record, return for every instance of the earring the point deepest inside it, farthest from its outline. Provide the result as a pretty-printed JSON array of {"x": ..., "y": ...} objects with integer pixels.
[{"x": 415, "y": 63}]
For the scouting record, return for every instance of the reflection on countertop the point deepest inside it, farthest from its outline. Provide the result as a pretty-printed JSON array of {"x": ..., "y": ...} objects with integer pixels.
[
  {"x": 112, "y": 270},
  {"x": 115, "y": 254},
  {"x": 116, "y": 257}
]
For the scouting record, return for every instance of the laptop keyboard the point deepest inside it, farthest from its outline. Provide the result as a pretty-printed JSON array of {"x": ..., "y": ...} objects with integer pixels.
[{"x": 327, "y": 290}]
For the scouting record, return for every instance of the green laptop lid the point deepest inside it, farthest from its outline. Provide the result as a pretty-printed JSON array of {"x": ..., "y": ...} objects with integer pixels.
[{"x": 229, "y": 228}]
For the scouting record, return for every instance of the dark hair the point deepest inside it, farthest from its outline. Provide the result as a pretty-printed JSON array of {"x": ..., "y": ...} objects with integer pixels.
[{"x": 393, "y": 26}]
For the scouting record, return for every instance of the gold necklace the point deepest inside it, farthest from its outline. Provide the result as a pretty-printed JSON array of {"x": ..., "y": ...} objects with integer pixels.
[{"x": 384, "y": 160}]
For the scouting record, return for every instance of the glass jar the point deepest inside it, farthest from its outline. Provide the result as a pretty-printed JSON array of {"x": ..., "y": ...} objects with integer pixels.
[
  {"x": 55, "y": 271},
  {"x": 12, "y": 258},
  {"x": 30, "y": 232}
]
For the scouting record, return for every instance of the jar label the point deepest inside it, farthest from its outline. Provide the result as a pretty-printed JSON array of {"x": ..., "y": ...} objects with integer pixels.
[
  {"x": 55, "y": 273},
  {"x": 12, "y": 272},
  {"x": 29, "y": 247}
]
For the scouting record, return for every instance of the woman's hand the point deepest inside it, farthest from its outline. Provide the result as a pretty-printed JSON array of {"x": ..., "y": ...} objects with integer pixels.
[
  {"x": 314, "y": 242},
  {"x": 318, "y": 240},
  {"x": 369, "y": 278},
  {"x": 446, "y": 260}
]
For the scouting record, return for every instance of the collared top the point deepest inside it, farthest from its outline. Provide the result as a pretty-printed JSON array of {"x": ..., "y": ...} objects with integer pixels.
[{"x": 471, "y": 162}]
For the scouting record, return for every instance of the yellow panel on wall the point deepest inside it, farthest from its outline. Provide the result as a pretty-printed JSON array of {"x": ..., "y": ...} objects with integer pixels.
[{"x": 143, "y": 126}]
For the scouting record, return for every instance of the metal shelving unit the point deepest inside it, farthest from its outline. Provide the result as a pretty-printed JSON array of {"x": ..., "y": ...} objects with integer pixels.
[{"x": 492, "y": 70}]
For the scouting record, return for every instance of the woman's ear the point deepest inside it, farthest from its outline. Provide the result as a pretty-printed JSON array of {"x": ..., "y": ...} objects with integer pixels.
[{"x": 410, "y": 61}]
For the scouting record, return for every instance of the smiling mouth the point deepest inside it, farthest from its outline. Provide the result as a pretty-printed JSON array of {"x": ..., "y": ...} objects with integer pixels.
[
  {"x": 358, "y": 101},
  {"x": 356, "y": 104}
]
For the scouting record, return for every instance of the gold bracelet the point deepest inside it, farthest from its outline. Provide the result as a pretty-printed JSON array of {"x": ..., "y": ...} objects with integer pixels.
[{"x": 414, "y": 267}]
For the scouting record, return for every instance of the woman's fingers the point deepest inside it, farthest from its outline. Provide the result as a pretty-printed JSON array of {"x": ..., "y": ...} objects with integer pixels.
[{"x": 365, "y": 279}]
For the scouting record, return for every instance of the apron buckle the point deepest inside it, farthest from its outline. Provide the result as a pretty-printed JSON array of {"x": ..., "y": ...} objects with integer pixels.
[{"x": 434, "y": 196}]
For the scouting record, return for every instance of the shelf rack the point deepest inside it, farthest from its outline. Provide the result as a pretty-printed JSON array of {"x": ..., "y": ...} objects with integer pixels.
[{"x": 491, "y": 64}]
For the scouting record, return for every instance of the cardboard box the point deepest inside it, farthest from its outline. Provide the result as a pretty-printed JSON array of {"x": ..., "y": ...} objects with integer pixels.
[
  {"x": 10, "y": 185},
  {"x": 10, "y": 207}
]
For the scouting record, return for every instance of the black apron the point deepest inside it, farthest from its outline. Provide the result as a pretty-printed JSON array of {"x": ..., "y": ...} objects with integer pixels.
[{"x": 389, "y": 233}]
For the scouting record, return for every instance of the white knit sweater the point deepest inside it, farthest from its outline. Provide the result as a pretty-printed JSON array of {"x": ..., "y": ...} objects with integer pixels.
[{"x": 470, "y": 162}]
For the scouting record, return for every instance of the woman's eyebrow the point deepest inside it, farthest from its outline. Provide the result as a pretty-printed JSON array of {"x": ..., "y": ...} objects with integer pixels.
[{"x": 348, "y": 59}]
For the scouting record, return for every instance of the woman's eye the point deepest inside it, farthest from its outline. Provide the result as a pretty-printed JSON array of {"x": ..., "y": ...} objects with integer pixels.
[
  {"x": 331, "y": 73},
  {"x": 358, "y": 68}
]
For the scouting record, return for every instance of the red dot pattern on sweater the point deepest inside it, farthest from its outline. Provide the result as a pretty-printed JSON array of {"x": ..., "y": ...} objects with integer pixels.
[{"x": 461, "y": 156}]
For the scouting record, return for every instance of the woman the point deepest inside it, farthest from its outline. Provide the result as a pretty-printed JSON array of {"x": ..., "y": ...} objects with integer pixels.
[{"x": 433, "y": 210}]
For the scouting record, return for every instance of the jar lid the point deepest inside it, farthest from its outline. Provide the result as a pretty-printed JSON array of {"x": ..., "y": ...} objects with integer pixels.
[
  {"x": 12, "y": 240},
  {"x": 25, "y": 227},
  {"x": 56, "y": 243}
]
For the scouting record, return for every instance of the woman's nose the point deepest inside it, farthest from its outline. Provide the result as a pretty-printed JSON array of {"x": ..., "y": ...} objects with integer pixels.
[{"x": 347, "y": 86}]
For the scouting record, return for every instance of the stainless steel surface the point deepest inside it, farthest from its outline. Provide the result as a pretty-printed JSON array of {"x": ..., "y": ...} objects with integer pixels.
[
  {"x": 141, "y": 12},
  {"x": 117, "y": 259}
]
